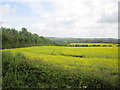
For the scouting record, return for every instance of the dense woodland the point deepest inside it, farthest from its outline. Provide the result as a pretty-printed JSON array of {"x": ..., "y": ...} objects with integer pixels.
[{"x": 12, "y": 38}]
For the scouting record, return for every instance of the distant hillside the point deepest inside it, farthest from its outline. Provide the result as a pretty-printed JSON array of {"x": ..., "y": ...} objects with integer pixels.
[
  {"x": 84, "y": 40},
  {"x": 12, "y": 38}
]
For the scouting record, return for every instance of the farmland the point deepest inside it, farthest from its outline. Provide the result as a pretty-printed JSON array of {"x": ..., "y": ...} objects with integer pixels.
[
  {"x": 61, "y": 67},
  {"x": 94, "y": 45}
]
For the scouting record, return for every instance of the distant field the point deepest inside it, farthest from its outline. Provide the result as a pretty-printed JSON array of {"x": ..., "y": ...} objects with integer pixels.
[
  {"x": 94, "y": 44},
  {"x": 64, "y": 67}
]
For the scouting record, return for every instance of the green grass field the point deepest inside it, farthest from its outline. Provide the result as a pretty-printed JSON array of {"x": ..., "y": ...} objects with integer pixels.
[{"x": 61, "y": 67}]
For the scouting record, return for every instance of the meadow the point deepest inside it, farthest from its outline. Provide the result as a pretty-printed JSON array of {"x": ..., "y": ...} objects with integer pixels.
[{"x": 60, "y": 67}]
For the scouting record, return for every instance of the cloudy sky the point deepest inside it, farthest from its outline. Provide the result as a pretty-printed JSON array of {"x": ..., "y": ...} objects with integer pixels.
[{"x": 62, "y": 18}]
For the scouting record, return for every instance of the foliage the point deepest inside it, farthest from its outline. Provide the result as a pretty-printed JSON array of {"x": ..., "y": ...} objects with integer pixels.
[
  {"x": 12, "y": 38},
  {"x": 93, "y": 45},
  {"x": 60, "y": 67}
]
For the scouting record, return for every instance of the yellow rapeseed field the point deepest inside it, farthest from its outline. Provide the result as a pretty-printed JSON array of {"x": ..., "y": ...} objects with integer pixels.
[{"x": 97, "y": 62}]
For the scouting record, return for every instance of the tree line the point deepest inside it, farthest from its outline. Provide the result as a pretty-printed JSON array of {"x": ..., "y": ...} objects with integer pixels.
[
  {"x": 12, "y": 38},
  {"x": 85, "y": 40}
]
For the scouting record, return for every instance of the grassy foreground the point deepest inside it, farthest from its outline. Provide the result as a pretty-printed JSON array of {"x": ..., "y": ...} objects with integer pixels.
[{"x": 60, "y": 67}]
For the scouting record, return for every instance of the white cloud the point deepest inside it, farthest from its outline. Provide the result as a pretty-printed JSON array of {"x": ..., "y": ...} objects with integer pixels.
[
  {"x": 5, "y": 11},
  {"x": 78, "y": 18},
  {"x": 110, "y": 14}
]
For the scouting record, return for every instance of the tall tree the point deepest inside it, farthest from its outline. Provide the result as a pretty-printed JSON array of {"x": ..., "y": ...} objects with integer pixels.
[{"x": 12, "y": 38}]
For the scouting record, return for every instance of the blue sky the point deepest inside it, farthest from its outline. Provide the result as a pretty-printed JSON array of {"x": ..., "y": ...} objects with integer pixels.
[
  {"x": 21, "y": 9},
  {"x": 62, "y": 18}
]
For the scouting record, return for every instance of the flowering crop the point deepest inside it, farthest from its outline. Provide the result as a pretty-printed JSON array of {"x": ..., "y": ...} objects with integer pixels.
[{"x": 88, "y": 63}]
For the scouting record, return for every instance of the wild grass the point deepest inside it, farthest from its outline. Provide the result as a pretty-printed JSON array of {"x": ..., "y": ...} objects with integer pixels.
[{"x": 61, "y": 67}]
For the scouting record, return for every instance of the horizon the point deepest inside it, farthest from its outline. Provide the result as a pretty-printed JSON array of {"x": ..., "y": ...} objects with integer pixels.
[
  {"x": 83, "y": 38},
  {"x": 69, "y": 37}
]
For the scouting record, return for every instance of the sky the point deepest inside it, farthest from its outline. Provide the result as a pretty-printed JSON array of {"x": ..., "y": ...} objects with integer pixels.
[{"x": 62, "y": 18}]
